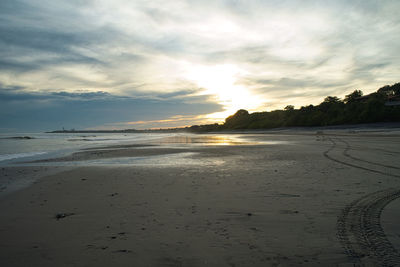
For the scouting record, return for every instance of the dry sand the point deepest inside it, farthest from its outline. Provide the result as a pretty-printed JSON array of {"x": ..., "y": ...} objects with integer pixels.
[{"x": 299, "y": 200}]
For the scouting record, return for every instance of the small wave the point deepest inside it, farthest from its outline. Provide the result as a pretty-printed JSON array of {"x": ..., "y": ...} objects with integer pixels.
[
  {"x": 19, "y": 155},
  {"x": 90, "y": 140},
  {"x": 19, "y": 137}
]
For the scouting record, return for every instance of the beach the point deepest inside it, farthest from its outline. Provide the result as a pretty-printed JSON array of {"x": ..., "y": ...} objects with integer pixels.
[{"x": 263, "y": 199}]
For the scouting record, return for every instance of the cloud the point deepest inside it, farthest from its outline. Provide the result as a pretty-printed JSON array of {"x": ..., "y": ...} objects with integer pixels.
[{"x": 293, "y": 50}]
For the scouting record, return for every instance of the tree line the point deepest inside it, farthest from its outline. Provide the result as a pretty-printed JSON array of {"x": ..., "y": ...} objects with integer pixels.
[{"x": 380, "y": 106}]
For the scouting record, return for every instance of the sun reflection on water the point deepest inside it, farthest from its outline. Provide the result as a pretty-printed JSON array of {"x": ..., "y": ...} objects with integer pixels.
[{"x": 220, "y": 140}]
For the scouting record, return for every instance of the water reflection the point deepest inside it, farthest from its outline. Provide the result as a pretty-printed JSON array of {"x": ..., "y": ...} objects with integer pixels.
[
  {"x": 222, "y": 140},
  {"x": 154, "y": 161}
]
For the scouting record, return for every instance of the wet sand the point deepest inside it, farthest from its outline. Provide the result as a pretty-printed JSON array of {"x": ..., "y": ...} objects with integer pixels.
[{"x": 301, "y": 199}]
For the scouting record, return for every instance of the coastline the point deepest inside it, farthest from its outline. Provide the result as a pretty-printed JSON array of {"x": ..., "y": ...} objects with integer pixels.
[
  {"x": 273, "y": 201},
  {"x": 379, "y": 126}
]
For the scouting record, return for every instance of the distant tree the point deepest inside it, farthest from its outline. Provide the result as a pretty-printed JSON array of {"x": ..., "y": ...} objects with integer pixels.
[
  {"x": 289, "y": 107},
  {"x": 396, "y": 88},
  {"x": 238, "y": 120},
  {"x": 241, "y": 112},
  {"x": 329, "y": 104},
  {"x": 390, "y": 90},
  {"x": 331, "y": 99},
  {"x": 353, "y": 96},
  {"x": 386, "y": 90},
  {"x": 204, "y": 128}
]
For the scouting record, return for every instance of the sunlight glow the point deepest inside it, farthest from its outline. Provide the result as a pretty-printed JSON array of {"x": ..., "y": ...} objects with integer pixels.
[{"x": 220, "y": 82}]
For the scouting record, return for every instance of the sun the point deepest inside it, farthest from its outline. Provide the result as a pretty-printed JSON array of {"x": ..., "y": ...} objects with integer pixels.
[{"x": 220, "y": 81}]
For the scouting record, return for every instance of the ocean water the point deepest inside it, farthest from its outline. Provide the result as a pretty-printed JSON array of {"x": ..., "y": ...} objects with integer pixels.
[
  {"x": 14, "y": 148},
  {"x": 20, "y": 149}
]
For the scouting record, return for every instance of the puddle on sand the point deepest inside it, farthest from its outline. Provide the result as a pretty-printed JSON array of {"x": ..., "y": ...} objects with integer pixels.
[
  {"x": 212, "y": 140},
  {"x": 166, "y": 160}
]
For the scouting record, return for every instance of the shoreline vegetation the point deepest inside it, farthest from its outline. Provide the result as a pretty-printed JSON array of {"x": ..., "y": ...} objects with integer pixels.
[{"x": 382, "y": 106}]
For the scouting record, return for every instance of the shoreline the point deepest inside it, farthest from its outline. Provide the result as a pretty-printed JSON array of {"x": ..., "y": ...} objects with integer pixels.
[
  {"x": 264, "y": 203},
  {"x": 374, "y": 125}
]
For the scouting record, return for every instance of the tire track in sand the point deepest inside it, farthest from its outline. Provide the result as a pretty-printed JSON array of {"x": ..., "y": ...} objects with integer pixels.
[
  {"x": 358, "y": 226},
  {"x": 360, "y": 232},
  {"x": 334, "y": 145},
  {"x": 346, "y": 154}
]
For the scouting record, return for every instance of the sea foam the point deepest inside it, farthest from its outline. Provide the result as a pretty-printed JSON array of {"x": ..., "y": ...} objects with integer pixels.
[{"x": 20, "y": 155}]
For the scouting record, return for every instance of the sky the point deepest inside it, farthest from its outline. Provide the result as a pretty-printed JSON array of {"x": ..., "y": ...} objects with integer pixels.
[{"x": 102, "y": 64}]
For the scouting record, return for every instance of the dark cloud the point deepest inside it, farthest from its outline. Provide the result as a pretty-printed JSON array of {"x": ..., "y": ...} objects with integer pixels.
[
  {"x": 177, "y": 94},
  {"x": 27, "y": 48},
  {"x": 84, "y": 96},
  {"x": 13, "y": 66},
  {"x": 13, "y": 88},
  {"x": 39, "y": 39},
  {"x": 40, "y": 111}
]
